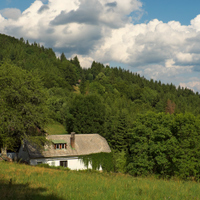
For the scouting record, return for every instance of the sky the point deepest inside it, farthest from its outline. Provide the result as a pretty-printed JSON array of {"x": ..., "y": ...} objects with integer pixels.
[{"x": 160, "y": 40}]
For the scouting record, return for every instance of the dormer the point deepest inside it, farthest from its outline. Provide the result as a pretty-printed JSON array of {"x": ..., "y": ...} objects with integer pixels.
[{"x": 59, "y": 144}]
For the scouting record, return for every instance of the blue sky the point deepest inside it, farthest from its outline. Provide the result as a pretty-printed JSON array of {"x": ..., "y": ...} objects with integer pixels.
[
  {"x": 158, "y": 39},
  {"x": 20, "y": 4},
  {"x": 178, "y": 10}
]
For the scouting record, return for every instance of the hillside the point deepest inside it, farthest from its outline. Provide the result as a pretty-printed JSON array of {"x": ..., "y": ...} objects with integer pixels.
[
  {"x": 99, "y": 79},
  {"x": 152, "y": 128},
  {"x": 22, "y": 182}
]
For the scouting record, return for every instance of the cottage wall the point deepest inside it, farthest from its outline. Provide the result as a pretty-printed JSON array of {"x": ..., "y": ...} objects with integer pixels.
[{"x": 74, "y": 163}]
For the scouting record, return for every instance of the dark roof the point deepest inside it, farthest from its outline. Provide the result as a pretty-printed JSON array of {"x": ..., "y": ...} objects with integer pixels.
[{"x": 85, "y": 144}]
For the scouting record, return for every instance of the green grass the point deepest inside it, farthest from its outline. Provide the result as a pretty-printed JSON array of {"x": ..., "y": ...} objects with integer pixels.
[
  {"x": 30, "y": 182},
  {"x": 55, "y": 129}
]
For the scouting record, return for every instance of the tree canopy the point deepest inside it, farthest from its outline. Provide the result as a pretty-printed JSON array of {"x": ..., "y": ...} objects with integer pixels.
[{"x": 23, "y": 104}]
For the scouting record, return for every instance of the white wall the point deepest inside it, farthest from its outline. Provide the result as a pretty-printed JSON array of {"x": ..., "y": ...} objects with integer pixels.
[
  {"x": 73, "y": 162},
  {"x": 76, "y": 164}
]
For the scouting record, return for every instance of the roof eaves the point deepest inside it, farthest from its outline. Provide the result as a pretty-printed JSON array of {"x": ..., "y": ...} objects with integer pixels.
[{"x": 59, "y": 141}]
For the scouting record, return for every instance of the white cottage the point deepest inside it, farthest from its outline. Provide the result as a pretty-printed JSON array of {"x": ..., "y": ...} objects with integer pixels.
[{"x": 65, "y": 150}]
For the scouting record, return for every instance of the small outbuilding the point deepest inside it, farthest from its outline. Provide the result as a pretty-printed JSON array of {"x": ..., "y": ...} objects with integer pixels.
[{"x": 65, "y": 150}]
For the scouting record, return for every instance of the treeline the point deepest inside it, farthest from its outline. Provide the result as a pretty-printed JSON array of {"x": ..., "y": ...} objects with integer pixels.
[{"x": 152, "y": 128}]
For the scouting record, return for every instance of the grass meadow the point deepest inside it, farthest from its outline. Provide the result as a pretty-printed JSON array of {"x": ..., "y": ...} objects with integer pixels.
[
  {"x": 55, "y": 129},
  {"x": 20, "y": 181}
]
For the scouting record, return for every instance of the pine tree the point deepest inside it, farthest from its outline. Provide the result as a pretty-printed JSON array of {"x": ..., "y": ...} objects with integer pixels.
[{"x": 119, "y": 138}]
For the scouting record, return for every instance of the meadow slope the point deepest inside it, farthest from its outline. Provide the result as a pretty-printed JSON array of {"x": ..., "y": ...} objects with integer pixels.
[{"x": 19, "y": 181}]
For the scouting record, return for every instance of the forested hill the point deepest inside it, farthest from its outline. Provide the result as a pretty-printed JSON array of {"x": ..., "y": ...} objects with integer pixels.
[
  {"x": 105, "y": 100},
  {"x": 109, "y": 83}
]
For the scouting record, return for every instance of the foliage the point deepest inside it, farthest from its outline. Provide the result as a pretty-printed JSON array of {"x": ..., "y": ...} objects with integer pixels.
[
  {"x": 58, "y": 103},
  {"x": 98, "y": 160},
  {"x": 86, "y": 115},
  {"x": 119, "y": 138},
  {"x": 167, "y": 145},
  {"x": 120, "y": 161},
  {"x": 23, "y": 104}
]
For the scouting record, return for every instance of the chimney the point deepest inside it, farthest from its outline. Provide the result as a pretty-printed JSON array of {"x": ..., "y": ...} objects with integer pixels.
[{"x": 72, "y": 140}]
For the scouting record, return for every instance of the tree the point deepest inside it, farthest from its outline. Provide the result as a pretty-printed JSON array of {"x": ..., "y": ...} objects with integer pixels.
[
  {"x": 166, "y": 145},
  {"x": 86, "y": 114},
  {"x": 22, "y": 105},
  {"x": 68, "y": 72},
  {"x": 170, "y": 108},
  {"x": 186, "y": 129},
  {"x": 78, "y": 68},
  {"x": 96, "y": 87},
  {"x": 119, "y": 138},
  {"x": 62, "y": 57},
  {"x": 152, "y": 145}
]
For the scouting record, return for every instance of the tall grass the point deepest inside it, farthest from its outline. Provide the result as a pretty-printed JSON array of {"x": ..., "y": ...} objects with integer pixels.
[{"x": 18, "y": 181}]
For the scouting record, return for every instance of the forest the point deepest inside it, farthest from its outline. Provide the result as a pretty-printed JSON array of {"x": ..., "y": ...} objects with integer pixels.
[{"x": 151, "y": 127}]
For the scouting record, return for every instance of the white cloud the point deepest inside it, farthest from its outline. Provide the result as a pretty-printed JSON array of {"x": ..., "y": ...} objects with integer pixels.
[
  {"x": 195, "y": 23},
  {"x": 85, "y": 61},
  {"x": 193, "y": 85},
  {"x": 102, "y": 30},
  {"x": 11, "y": 13},
  {"x": 165, "y": 72}
]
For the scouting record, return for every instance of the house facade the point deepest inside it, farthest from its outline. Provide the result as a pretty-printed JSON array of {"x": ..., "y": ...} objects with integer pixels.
[{"x": 65, "y": 150}]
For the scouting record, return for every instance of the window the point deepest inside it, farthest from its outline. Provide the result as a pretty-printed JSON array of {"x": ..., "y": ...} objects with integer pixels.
[
  {"x": 60, "y": 146},
  {"x": 63, "y": 163}
]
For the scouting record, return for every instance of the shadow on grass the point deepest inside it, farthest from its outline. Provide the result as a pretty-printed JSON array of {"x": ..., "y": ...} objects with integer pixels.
[{"x": 12, "y": 191}]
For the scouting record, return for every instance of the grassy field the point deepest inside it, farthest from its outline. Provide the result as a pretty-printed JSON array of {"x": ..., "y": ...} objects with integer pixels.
[
  {"x": 19, "y": 181},
  {"x": 55, "y": 129}
]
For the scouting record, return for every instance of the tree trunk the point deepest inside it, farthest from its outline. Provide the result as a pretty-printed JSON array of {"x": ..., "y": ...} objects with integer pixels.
[{"x": 4, "y": 151}]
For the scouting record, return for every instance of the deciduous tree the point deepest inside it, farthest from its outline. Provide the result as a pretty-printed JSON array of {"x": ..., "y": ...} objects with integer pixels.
[{"x": 22, "y": 105}]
